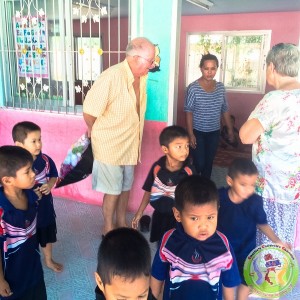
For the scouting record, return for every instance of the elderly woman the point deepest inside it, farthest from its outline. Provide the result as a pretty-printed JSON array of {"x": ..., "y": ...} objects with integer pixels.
[{"x": 274, "y": 130}]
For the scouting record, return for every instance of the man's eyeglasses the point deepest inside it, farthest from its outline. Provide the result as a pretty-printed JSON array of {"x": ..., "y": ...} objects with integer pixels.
[{"x": 151, "y": 62}]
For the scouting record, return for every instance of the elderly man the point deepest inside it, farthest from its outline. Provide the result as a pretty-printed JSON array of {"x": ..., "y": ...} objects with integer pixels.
[{"x": 114, "y": 111}]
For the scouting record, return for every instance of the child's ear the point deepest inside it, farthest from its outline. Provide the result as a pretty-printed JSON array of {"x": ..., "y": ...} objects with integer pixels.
[
  {"x": 177, "y": 215},
  {"x": 99, "y": 282},
  {"x": 164, "y": 149},
  {"x": 229, "y": 180},
  {"x": 6, "y": 180}
]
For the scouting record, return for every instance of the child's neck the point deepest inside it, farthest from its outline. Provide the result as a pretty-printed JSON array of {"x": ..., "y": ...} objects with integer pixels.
[
  {"x": 16, "y": 197},
  {"x": 173, "y": 164},
  {"x": 234, "y": 197}
]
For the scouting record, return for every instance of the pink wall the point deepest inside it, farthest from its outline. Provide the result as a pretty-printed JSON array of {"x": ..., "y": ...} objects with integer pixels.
[
  {"x": 285, "y": 27},
  {"x": 60, "y": 131}
]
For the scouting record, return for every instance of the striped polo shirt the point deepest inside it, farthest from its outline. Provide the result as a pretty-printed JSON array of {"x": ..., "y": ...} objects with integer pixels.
[
  {"x": 206, "y": 107},
  {"x": 117, "y": 132}
]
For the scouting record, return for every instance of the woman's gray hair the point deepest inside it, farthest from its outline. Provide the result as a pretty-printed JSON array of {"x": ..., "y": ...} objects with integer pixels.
[
  {"x": 138, "y": 45},
  {"x": 285, "y": 58}
]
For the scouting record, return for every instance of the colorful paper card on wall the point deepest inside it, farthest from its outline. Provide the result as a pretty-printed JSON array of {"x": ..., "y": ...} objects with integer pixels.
[{"x": 32, "y": 46}]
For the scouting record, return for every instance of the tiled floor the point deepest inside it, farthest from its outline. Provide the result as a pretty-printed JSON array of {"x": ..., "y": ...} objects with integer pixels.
[{"x": 79, "y": 236}]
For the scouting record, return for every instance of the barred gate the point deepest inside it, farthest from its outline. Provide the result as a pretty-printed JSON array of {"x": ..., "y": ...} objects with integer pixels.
[{"x": 53, "y": 50}]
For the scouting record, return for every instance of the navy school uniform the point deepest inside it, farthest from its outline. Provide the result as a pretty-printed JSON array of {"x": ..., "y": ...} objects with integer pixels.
[
  {"x": 193, "y": 269},
  {"x": 21, "y": 261},
  {"x": 44, "y": 167},
  {"x": 239, "y": 223},
  {"x": 161, "y": 183}
]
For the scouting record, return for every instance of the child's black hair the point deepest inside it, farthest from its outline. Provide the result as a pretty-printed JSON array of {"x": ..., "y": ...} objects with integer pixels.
[
  {"x": 21, "y": 130},
  {"x": 196, "y": 190},
  {"x": 206, "y": 57},
  {"x": 12, "y": 159},
  {"x": 241, "y": 166},
  {"x": 123, "y": 252},
  {"x": 170, "y": 133}
]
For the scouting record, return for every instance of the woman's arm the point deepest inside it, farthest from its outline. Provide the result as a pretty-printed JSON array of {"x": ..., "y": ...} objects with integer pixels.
[
  {"x": 250, "y": 131},
  {"x": 189, "y": 126},
  {"x": 228, "y": 123}
]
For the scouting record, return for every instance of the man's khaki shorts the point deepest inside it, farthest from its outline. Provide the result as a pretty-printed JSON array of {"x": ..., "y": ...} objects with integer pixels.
[{"x": 110, "y": 179}]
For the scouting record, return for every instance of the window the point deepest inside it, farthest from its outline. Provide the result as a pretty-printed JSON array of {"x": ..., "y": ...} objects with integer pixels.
[
  {"x": 88, "y": 64},
  {"x": 241, "y": 56},
  {"x": 53, "y": 51}
]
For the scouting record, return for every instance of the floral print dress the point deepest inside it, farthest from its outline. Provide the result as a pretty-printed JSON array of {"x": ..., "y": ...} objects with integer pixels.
[{"x": 276, "y": 153}]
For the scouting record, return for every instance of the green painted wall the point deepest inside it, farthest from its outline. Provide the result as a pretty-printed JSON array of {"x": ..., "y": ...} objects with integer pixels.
[{"x": 157, "y": 21}]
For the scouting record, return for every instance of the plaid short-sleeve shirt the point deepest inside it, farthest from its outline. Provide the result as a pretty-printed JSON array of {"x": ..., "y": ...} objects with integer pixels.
[{"x": 118, "y": 129}]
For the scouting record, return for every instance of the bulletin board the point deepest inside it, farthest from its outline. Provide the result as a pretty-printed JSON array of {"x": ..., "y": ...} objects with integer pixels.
[{"x": 31, "y": 40}]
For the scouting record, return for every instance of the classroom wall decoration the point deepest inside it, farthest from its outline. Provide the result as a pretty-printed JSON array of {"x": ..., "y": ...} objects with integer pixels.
[{"x": 31, "y": 44}]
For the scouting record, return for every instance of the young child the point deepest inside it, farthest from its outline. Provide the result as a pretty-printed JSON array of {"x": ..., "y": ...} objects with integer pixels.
[
  {"x": 28, "y": 135},
  {"x": 21, "y": 272},
  {"x": 194, "y": 258},
  {"x": 241, "y": 212},
  {"x": 162, "y": 180},
  {"x": 124, "y": 264}
]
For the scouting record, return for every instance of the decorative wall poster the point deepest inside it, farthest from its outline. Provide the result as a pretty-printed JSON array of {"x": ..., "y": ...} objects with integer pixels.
[{"x": 31, "y": 44}]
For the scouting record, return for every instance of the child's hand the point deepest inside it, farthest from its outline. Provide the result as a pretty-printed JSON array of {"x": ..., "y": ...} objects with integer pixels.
[
  {"x": 5, "y": 290},
  {"x": 136, "y": 220},
  {"x": 288, "y": 246},
  {"x": 45, "y": 189},
  {"x": 38, "y": 192}
]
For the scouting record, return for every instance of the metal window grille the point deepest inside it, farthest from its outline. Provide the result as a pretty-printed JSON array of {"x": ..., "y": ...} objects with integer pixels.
[{"x": 52, "y": 50}]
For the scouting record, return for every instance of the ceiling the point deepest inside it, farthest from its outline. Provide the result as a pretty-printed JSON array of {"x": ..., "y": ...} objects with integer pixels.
[
  {"x": 220, "y": 7},
  {"x": 241, "y": 6}
]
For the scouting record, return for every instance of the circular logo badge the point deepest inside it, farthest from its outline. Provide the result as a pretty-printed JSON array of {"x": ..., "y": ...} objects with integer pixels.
[{"x": 271, "y": 271}]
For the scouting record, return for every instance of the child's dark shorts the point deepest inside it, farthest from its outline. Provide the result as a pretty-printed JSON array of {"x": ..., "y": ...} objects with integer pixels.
[
  {"x": 161, "y": 222},
  {"x": 37, "y": 292},
  {"x": 46, "y": 234}
]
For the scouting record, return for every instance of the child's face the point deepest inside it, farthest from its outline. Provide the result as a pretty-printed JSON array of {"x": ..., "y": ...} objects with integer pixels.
[
  {"x": 122, "y": 289},
  {"x": 178, "y": 149},
  {"x": 242, "y": 186},
  {"x": 198, "y": 221},
  {"x": 32, "y": 143},
  {"x": 25, "y": 177}
]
